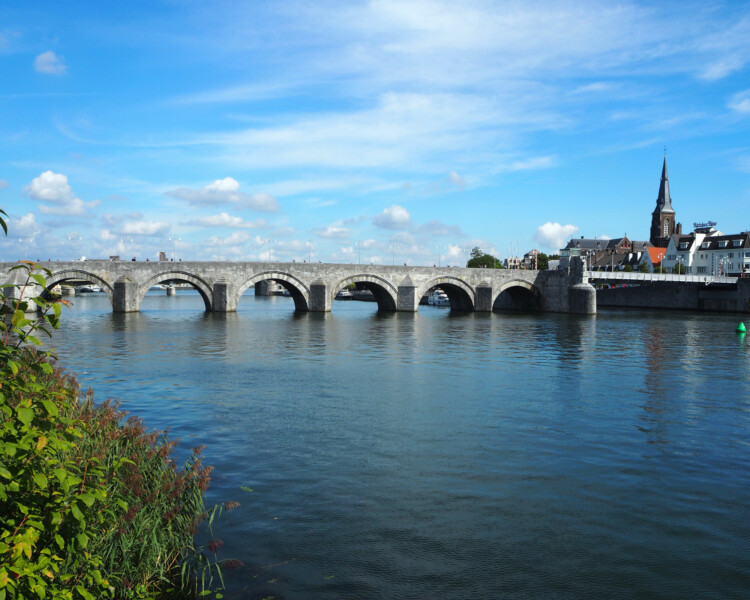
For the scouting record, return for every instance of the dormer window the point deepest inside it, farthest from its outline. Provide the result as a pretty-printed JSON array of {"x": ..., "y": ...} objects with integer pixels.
[
  {"x": 684, "y": 245},
  {"x": 736, "y": 243},
  {"x": 705, "y": 245},
  {"x": 723, "y": 243}
]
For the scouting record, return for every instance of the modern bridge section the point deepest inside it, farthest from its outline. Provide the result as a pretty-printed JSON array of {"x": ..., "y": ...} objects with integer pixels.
[
  {"x": 313, "y": 287},
  {"x": 647, "y": 278}
]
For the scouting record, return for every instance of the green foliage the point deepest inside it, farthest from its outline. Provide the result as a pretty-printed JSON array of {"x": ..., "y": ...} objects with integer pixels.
[
  {"x": 679, "y": 268},
  {"x": 643, "y": 267},
  {"x": 481, "y": 260},
  {"x": 542, "y": 261},
  {"x": 91, "y": 507},
  {"x": 628, "y": 268}
]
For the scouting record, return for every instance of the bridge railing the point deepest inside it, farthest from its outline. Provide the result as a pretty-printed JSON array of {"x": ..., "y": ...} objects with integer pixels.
[{"x": 623, "y": 277}]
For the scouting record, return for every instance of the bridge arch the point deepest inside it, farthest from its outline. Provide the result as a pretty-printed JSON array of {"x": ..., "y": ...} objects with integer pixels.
[
  {"x": 299, "y": 291},
  {"x": 386, "y": 294},
  {"x": 79, "y": 275},
  {"x": 517, "y": 294},
  {"x": 460, "y": 293},
  {"x": 204, "y": 288}
]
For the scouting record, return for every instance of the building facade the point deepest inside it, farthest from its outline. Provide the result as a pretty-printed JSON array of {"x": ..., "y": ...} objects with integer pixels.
[{"x": 708, "y": 251}]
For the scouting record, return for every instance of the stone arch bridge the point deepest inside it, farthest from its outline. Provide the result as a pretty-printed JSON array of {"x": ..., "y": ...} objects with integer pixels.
[{"x": 313, "y": 286}]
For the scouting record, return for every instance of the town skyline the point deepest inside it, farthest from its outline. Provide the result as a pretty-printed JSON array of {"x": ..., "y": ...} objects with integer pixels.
[{"x": 372, "y": 132}]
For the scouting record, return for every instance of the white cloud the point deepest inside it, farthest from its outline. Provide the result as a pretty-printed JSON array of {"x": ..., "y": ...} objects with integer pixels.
[
  {"x": 56, "y": 196},
  {"x": 740, "y": 102},
  {"x": 554, "y": 235},
  {"x": 25, "y": 226},
  {"x": 228, "y": 184},
  {"x": 225, "y": 191},
  {"x": 333, "y": 232},
  {"x": 529, "y": 164},
  {"x": 50, "y": 63},
  {"x": 457, "y": 180},
  {"x": 395, "y": 217},
  {"x": 145, "y": 228},
  {"x": 438, "y": 228},
  {"x": 226, "y": 220}
]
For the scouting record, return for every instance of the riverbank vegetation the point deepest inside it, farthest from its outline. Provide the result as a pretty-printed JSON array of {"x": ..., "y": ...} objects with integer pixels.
[{"x": 93, "y": 505}]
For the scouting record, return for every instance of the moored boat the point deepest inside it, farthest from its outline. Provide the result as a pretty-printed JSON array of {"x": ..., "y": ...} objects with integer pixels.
[{"x": 438, "y": 298}]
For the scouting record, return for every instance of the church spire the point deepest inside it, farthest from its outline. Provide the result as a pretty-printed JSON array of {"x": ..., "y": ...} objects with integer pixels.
[
  {"x": 663, "y": 218},
  {"x": 664, "y": 202}
]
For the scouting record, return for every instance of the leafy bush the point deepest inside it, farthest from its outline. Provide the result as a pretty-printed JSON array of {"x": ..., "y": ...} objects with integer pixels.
[{"x": 92, "y": 507}]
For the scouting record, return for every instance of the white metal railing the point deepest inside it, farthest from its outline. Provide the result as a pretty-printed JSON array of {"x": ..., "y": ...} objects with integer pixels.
[{"x": 658, "y": 277}]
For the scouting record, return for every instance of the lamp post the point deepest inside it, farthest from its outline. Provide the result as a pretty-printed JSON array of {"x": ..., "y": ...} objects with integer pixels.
[
  {"x": 219, "y": 241},
  {"x": 723, "y": 262},
  {"x": 269, "y": 241},
  {"x": 679, "y": 263},
  {"x": 310, "y": 245},
  {"x": 393, "y": 254},
  {"x": 174, "y": 239},
  {"x": 439, "y": 250},
  {"x": 74, "y": 237},
  {"x": 123, "y": 241}
]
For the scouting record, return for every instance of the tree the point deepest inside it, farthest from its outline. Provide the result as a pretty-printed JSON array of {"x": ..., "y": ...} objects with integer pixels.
[
  {"x": 542, "y": 261},
  {"x": 679, "y": 268},
  {"x": 643, "y": 267},
  {"x": 628, "y": 269},
  {"x": 480, "y": 260}
]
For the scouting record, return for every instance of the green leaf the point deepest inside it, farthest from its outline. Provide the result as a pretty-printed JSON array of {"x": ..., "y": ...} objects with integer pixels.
[
  {"x": 82, "y": 590},
  {"x": 76, "y": 512},
  {"x": 244, "y": 488},
  {"x": 83, "y": 539},
  {"x": 49, "y": 406},
  {"x": 41, "y": 480},
  {"x": 60, "y": 542},
  {"x": 25, "y": 415},
  {"x": 39, "y": 279},
  {"x": 87, "y": 499},
  {"x": 13, "y": 367}
]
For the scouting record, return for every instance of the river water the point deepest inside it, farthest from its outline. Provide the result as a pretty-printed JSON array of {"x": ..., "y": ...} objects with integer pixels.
[{"x": 444, "y": 455}]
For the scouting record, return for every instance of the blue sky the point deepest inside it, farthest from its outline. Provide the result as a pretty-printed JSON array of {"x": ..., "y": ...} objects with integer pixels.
[{"x": 380, "y": 131}]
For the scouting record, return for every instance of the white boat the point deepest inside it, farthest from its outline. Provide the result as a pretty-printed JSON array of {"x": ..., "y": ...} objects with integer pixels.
[
  {"x": 344, "y": 295},
  {"x": 88, "y": 289},
  {"x": 438, "y": 298}
]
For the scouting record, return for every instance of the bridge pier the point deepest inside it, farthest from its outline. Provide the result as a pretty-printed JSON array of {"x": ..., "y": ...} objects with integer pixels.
[
  {"x": 407, "y": 300},
  {"x": 263, "y": 288},
  {"x": 483, "y": 298},
  {"x": 224, "y": 298},
  {"x": 320, "y": 298},
  {"x": 125, "y": 296}
]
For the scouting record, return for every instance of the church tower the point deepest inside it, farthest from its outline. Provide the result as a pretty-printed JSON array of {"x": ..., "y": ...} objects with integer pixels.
[{"x": 663, "y": 218}]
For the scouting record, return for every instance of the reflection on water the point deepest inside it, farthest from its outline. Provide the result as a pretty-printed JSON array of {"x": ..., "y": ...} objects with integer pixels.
[{"x": 448, "y": 455}]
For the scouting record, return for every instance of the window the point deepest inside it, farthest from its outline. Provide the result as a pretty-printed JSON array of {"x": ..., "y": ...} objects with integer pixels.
[
  {"x": 701, "y": 269},
  {"x": 723, "y": 243},
  {"x": 684, "y": 245},
  {"x": 736, "y": 243},
  {"x": 666, "y": 227},
  {"x": 731, "y": 255},
  {"x": 705, "y": 245}
]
